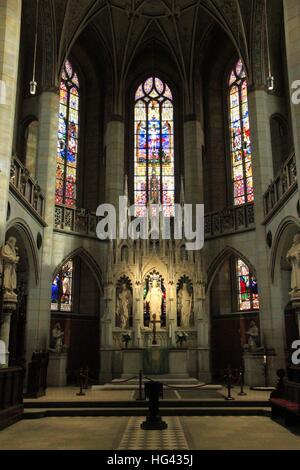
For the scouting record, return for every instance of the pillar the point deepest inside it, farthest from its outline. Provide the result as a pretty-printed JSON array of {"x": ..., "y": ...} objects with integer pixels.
[
  {"x": 292, "y": 37},
  {"x": 39, "y": 302},
  {"x": 193, "y": 160},
  {"x": 271, "y": 323},
  {"x": 114, "y": 141},
  {"x": 10, "y": 25}
]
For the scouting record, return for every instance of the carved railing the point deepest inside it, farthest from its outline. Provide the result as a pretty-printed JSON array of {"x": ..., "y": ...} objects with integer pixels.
[
  {"x": 229, "y": 221},
  {"x": 26, "y": 187},
  {"x": 281, "y": 187},
  {"x": 74, "y": 220}
]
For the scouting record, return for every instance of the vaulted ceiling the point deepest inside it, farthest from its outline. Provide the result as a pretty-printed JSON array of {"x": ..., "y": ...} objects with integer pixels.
[{"x": 124, "y": 26}]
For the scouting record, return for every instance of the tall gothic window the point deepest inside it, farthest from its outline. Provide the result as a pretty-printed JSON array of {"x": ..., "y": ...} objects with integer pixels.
[
  {"x": 247, "y": 287},
  {"x": 68, "y": 132},
  {"x": 241, "y": 158},
  {"x": 154, "y": 147}
]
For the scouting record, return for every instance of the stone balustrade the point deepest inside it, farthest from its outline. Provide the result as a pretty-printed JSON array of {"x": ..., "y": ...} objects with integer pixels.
[
  {"x": 284, "y": 184},
  {"x": 26, "y": 188},
  {"x": 229, "y": 221},
  {"x": 74, "y": 220}
]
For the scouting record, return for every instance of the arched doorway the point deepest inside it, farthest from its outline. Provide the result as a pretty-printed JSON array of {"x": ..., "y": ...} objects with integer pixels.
[
  {"x": 234, "y": 306},
  {"x": 76, "y": 306}
]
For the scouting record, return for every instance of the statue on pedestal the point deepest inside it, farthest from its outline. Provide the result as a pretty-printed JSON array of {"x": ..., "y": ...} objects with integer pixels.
[
  {"x": 293, "y": 256},
  {"x": 124, "y": 305},
  {"x": 184, "y": 305},
  {"x": 57, "y": 339},
  {"x": 253, "y": 333},
  {"x": 154, "y": 299},
  {"x": 8, "y": 263}
]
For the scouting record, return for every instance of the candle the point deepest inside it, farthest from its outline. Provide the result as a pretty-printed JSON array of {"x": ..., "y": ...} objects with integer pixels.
[
  {"x": 170, "y": 330},
  {"x": 265, "y": 359}
]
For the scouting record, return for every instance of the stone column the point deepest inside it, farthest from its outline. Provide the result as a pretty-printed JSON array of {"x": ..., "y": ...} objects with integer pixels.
[
  {"x": 271, "y": 323},
  {"x": 39, "y": 302},
  {"x": 138, "y": 311},
  {"x": 5, "y": 333},
  {"x": 292, "y": 37},
  {"x": 193, "y": 164},
  {"x": 10, "y": 25},
  {"x": 202, "y": 328},
  {"x": 114, "y": 141}
]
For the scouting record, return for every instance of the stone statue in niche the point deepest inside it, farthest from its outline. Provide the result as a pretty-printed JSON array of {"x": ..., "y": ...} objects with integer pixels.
[
  {"x": 57, "y": 339},
  {"x": 124, "y": 305},
  {"x": 253, "y": 334},
  {"x": 154, "y": 298},
  {"x": 185, "y": 301},
  {"x": 293, "y": 256},
  {"x": 9, "y": 260}
]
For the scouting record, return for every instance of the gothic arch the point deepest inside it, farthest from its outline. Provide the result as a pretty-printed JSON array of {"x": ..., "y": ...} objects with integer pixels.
[
  {"x": 24, "y": 231},
  {"x": 284, "y": 235},
  {"x": 88, "y": 259},
  {"x": 219, "y": 260}
]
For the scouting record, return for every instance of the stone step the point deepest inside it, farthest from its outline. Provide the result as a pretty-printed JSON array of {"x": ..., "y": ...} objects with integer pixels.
[{"x": 125, "y": 411}]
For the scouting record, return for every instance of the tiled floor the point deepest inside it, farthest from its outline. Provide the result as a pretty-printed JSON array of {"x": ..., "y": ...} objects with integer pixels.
[
  {"x": 172, "y": 438},
  {"x": 110, "y": 433}
]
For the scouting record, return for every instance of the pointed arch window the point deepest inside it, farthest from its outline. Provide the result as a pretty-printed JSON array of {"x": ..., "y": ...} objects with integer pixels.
[
  {"x": 68, "y": 137},
  {"x": 240, "y": 144},
  {"x": 154, "y": 180},
  {"x": 247, "y": 287},
  {"x": 62, "y": 289}
]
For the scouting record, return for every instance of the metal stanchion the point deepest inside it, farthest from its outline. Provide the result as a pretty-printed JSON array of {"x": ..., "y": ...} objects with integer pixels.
[
  {"x": 229, "y": 377},
  {"x": 86, "y": 378},
  {"x": 242, "y": 382},
  {"x": 81, "y": 383},
  {"x": 140, "y": 397}
]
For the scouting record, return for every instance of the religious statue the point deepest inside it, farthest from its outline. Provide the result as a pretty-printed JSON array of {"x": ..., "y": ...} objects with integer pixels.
[
  {"x": 124, "y": 304},
  {"x": 154, "y": 300},
  {"x": 8, "y": 263},
  {"x": 253, "y": 334},
  {"x": 184, "y": 305},
  {"x": 293, "y": 256},
  {"x": 57, "y": 339}
]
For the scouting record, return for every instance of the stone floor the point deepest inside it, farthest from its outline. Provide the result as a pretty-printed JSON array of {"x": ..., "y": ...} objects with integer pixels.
[{"x": 111, "y": 433}]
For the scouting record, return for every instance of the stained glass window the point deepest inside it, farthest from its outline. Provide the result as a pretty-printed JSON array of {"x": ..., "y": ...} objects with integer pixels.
[
  {"x": 240, "y": 136},
  {"x": 154, "y": 147},
  {"x": 62, "y": 286},
  {"x": 247, "y": 288},
  {"x": 67, "y": 142}
]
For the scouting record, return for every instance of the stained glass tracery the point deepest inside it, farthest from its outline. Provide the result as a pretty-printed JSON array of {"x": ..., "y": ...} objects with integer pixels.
[
  {"x": 247, "y": 288},
  {"x": 154, "y": 147},
  {"x": 68, "y": 132},
  {"x": 240, "y": 137},
  {"x": 62, "y": 286}
]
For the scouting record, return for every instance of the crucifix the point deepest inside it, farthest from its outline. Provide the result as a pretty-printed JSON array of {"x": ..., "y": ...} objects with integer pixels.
[{"x": 154, "y": 321}]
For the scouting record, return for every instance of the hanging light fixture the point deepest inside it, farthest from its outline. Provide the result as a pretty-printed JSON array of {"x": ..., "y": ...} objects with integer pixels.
[
  {"x": 270, "y": 78},
  {"x": 33, "y": 83}
]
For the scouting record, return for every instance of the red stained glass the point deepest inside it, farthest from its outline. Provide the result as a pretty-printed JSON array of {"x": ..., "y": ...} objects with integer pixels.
[
  {"x": 248, "y": 298},
  {"x": 68, "y": 134},
  {"x": 240, "y": 136},
  {"x": 154, "y": 145}
]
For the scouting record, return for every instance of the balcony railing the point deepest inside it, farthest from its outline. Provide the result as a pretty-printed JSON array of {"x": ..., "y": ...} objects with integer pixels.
[
  {"x": 229, "y": 221},
  {"x": 281, "y": 187},
  {"x": 74, "y": 220},
  {"x": 26, "y": 187}
]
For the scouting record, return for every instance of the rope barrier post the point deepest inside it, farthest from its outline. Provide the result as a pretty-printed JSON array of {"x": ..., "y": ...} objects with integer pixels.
[
  {"x": 228, "y": 377},
  {"x": 242, "y": 382},
  {"x": 86, "y": 378},
  {"x": 81, "y": 379},
  {"x": 140, "y": 397}
]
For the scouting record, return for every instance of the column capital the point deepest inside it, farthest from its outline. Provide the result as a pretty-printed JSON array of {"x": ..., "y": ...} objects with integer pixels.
[
  {"x": 116, "y": 117},
  {"x": 50, "y": 89}
]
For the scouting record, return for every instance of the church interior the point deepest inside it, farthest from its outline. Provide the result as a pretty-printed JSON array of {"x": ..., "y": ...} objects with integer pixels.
[{"x": 169, "y": 104}]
